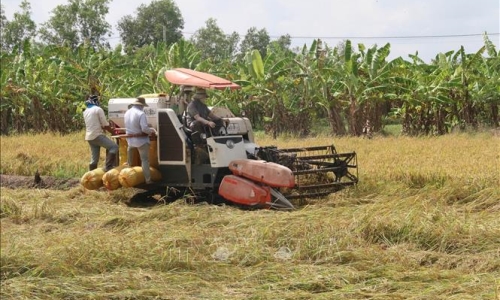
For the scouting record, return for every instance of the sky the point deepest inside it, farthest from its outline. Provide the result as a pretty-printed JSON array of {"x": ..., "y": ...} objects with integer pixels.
[{"x": 426, "y": 26}]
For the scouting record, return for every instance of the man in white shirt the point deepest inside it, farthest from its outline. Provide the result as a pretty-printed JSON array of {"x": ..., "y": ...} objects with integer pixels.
[
  {"x": 95, "y": 124},
  {"x": 138, "y": 131}
]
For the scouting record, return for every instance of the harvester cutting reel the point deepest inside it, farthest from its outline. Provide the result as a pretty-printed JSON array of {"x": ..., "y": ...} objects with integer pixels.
[{"x": 318, "y": 171}]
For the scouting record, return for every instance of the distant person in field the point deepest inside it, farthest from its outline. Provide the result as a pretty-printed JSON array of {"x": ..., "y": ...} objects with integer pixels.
[
  {"x": 138, "y": 132},
  {"x": 199, "y": 115},
  {"x": 95, "y": 124}
]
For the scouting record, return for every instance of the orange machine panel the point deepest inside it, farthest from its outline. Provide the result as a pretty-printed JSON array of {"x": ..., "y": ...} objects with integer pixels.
[
  {"x": 182, "y": 76},
  {"x": 269, "y": 173},
  {"x": 243, "y": 191}
]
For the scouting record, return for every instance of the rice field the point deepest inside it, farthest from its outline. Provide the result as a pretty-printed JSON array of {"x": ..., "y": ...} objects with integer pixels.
[{"x": 423, "y": 223}]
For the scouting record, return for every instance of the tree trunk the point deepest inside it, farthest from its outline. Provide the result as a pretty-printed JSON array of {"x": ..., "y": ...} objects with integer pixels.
[
  {"x": 494, "y": 115},
  {"x": 335, "y": 119},
  {"x": 355, "y": 122},
  {"x": 469, "y": 110},
  {"x": 6, "y": 121}
]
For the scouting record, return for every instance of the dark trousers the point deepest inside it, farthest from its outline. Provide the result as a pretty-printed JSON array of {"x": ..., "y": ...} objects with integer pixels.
[{"x": 198, "y": 128}]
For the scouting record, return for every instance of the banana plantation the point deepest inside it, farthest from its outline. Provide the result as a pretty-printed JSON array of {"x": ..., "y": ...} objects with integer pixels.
[{"x": 348, "y": 89}]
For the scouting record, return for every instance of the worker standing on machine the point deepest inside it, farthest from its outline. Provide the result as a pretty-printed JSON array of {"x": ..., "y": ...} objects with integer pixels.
[
  {"x": 95, "y": 124},
  {"x": 138, "y": 131}
]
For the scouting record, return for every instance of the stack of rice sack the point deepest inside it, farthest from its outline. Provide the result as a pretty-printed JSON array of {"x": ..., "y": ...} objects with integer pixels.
[{"x": 117, "y": 177}]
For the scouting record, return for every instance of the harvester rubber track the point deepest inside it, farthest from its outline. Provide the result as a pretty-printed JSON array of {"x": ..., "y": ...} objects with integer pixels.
[{"x": 318, "y": 170}]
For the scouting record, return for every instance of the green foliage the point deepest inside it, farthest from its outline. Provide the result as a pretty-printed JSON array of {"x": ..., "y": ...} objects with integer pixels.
[
  {"x": 183, "y": 55},
  {"x": 213, "y": 43},
  {"x": 21, "y": 28},
  {"x": 78, "y": 22},
  {"x": 283, "y": 43},
  {"x": 158, "y": 22},
  {"x": 354, "y": 91},
  {"x": 255, "y": 40},
  {"x": 256, "y": 65}
]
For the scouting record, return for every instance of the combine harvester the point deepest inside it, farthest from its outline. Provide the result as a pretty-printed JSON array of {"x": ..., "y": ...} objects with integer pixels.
[{"x": 227, "y": 166}]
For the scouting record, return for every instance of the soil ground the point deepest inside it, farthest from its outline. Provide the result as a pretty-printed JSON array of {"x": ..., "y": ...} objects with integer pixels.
[{"x": 43, "y": 182}]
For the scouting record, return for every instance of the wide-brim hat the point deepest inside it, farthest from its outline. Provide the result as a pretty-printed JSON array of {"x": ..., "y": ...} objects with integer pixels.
[
  {"x": 200, "y": 94},
  {"x": 140, "y": 101}
]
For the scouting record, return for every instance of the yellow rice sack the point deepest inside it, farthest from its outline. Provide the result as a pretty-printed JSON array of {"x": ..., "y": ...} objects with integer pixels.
[
  {"x": 130, "y": 177},
  {"x": 110, "y": 178},
  {"x": 92, "y": 180},
  {"x": 155, "y": 174}
]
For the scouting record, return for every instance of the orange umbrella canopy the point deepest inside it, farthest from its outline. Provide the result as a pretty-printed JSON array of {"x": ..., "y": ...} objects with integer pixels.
[{"x": 182, "y": 76}]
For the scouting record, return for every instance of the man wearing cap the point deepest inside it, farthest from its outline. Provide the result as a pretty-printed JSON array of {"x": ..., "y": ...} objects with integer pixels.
[
  {"x": 199, "y": 115},
  {"x": 138, "y": 131},
  {"x": 95, "y": 124}
]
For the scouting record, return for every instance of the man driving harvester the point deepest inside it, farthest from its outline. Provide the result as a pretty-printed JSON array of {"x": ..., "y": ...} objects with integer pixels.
[{"x": 199, "y": 115}]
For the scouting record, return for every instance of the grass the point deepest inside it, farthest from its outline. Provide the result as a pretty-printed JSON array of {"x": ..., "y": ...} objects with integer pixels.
[
  {"x": 63, "y": 156},
  {"x": 423, "y": 223}
]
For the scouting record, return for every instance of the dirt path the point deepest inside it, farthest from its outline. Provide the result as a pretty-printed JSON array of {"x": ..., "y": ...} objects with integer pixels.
[{"x": 44, "y": 182}]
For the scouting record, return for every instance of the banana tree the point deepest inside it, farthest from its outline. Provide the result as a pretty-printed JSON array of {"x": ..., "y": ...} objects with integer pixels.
[
  {"x": 486, "y": 88},
  {"x": 467, "y": 108},
  {"x": 183, "y": 54},
  {"x": 350, "y": 86},
  {"x": 12, "y": 102},
  {"x": 309, "y": 88},
  {"x": 35, "y": 97},
  {"x": 265, "y": 82},
  {"x": 377, "y": 74},
  {"x": 364, "y": 79}
]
